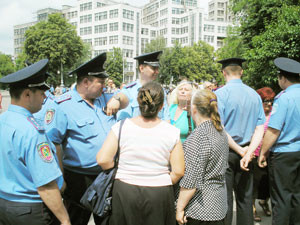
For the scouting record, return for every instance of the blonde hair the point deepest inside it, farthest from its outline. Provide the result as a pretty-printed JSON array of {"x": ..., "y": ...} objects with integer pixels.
[
  {"x": 206, "y": 104},
  {"x": 173, "y": 96}
]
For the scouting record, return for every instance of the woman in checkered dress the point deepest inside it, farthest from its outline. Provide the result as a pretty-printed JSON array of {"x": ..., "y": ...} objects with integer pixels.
[{"x": 203, "y": 198}]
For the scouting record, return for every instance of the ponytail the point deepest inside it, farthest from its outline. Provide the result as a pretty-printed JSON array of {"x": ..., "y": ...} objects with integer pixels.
[{"x": 214, "y": 115}]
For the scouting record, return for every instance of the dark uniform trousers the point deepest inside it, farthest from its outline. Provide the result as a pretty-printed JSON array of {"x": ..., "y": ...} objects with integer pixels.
[
  {"x": 76, "y": 186},
  {"x": 284, "y": 174},
  {"x": 241, "y": 182},
  {"x": 19, "y": 213}
]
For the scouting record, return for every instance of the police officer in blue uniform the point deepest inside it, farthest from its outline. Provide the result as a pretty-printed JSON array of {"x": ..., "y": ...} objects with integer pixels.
[
  {"x": 283, "y": 139},
  {"x": 126, "y": 99},
  {"x": 29, "y": 172},
  {"x": 242, "y": 115},
  {"x": 78, "y": 128}
]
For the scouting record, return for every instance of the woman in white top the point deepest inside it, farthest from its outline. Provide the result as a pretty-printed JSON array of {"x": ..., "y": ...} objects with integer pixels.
[{"x": 151, "y": 161}]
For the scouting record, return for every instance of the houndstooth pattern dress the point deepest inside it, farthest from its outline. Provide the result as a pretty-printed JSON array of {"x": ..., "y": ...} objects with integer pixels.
[{"x": 206, "y": 156}]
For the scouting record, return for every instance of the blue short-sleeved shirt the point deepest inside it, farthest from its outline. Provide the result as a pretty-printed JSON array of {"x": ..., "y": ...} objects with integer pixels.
[
  {"x": 240, "y": 109},
  {"x": 285, "y": 117},
  {"x": 40, "y": 115},
  {"x": 132, "y": 110},
  {"x": 81, "y": 130},
  {"x": 27, "y": 157}
]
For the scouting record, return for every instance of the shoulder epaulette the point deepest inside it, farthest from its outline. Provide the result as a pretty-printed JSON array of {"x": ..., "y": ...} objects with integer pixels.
[
  {"x": 277, "y": 96},
  {"x": 36, "y": 125},
  {"x": 63, "y": 98},
  {"x": 130, "y": 85}
]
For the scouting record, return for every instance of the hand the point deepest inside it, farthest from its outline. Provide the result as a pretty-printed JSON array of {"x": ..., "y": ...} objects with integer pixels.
[
  {"x": 180, "y": 217},
  {"x": 112, "y": 107},
  {"x": 262, "y": 161},
  {"x": 245, "y": 161}
]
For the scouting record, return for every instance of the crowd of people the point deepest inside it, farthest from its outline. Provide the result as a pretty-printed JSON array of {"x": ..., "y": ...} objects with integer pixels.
[{"x": 182, "y": 155}]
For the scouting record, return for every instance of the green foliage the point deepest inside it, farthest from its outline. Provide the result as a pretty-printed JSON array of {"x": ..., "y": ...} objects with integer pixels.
[
  {"x": 56, "y": 40},
  {"x": 114, "y": 65},
  {"x": 269, "y": 29},
  {"x": 158, "y": 44},
  {"x": 6, "y": 65},
  {"x": 20, "y": 61},
  {"x": 194, "y": 62}
]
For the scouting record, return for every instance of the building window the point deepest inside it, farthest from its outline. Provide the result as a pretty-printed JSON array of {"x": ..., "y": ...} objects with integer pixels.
[
  {"x": 71, "y": 15},
  {"x": 113, "y": 26},
  {"x": 74, "y": 24},
  {"x": 128, "y": 14},
  {"x": 145, "y": 31},
  {"x": 220, "y": 12},
  {"x": 177, "y": 2},
  {"x": 208, "y": 38},
  {"x": 219, "y": 44},
  {"x": 184, "y": 19},
  {"x": 209, "y": 28},
  {"x": 163, "y": 31},
  {"x": 113, "y": 13},
  {"x": 222, "y": 29},
  {"x": 163, "y": 2},
  {"x": 86, "y": 18},
  {"x": 129, "y": 66},
  {"x": 184, "y": 30},
  {"x": 100, "y": 28},
  {"x": 127, "y": 40},
  {"x": 89, "y": 41},
  {"x": 128, "y": 53},
  {"x": 98, "y": 52},
  {"x": 153, "y": 33},
  {"x": 100, "y": 41},
  {"x": 100, "y": 16},
  {"x": 163, "y": 22},
  {"x": 85, "y": 6},
  {"x": 85, "y": 30},
  {"x": 177, "y": 11},
  {"x": 128, "y": 27},
  {"x": 99, "y": 4},
  {"x": 163, "y": 12},
  {"x": 220, "y": 4},
  {"x": 113, "y": 39},
  {"x": 220, "y": 19},
  {"x": 175, "y": 20}
]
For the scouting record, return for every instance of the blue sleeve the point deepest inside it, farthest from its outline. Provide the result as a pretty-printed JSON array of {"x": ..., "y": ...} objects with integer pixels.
[
  {"x": 278, "y": 114},
  {"x": 221, "y": 104},
  {"x": 57, "y": 128},
  {"x": 40, "y": 160},
  {"x": 261, "y": 118}
]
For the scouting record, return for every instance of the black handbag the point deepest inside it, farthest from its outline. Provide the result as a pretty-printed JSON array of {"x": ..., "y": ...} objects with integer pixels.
[{"x": 98, "y": 197}]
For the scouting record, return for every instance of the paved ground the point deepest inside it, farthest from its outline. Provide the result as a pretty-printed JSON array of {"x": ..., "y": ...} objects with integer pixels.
[{"x": 265, "y": 220}]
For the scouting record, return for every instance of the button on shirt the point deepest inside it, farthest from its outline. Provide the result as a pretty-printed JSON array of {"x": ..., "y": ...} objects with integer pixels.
[
  {"x": 240, "y": 109},
  {"x": 27, "y": 157},
  {"x": 81, "y": 129},
  {"x": 132, "y": 110},
  {"x": 285, "y": 118}
]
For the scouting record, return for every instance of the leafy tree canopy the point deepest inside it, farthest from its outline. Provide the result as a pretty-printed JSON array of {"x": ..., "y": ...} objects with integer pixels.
[
  {"x": 56, "y": 40},
  {"x": 158, "y": 44},
  {"x": 6, "y": 65},
  {"x": 114, "y": 65}
]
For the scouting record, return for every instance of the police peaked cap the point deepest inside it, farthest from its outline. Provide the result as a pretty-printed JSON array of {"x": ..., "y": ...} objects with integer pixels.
[
  {"x": 232, "y": 62},
  {"x": 287, "y": 66},
  {"x": 151, "y": 58},
  {"x": 94, "y": 67},
  {"x": 32, "y": 76}
]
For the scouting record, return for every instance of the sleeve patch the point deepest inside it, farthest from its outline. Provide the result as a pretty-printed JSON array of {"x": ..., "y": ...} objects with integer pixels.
[
  {"x": 49, "y": 116},
  {"x": 45, "y": 152}
]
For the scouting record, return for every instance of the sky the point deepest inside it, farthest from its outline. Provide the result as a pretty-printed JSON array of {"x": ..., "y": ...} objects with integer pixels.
[{"x": 14, "y": 12}]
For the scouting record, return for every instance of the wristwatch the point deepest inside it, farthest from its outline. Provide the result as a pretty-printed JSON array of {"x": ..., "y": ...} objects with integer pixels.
[{"x": 117, "y": 98}]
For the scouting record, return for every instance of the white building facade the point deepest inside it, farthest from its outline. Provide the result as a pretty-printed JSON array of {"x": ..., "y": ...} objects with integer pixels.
[{"x": 107, "y": 24}]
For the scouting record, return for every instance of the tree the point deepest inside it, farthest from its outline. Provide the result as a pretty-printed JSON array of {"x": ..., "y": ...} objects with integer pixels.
[
  {"x": 114, "y": 65},
  {"x": 56, "y": 40},
  {"x": 269, "y": 29},
  {"x": 194, "y": 62},
  {"x": 158, "y": 44},
  {"x": 6, "y": 65}
]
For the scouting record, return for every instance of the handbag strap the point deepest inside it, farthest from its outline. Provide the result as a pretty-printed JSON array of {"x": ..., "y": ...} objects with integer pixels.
[{"x": 118, "y": 151}]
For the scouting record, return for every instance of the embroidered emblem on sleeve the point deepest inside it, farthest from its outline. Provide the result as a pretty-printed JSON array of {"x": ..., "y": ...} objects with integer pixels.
[
  {"x": 45, "y": 152},
  {"x": 49, "y": 116}
]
